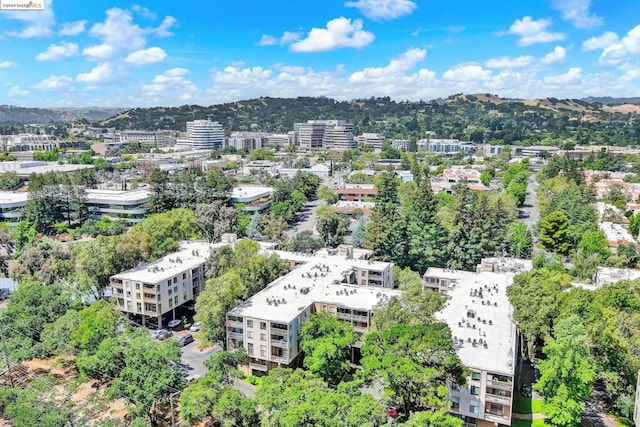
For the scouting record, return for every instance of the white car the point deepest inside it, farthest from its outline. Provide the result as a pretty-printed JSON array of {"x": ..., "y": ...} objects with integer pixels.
[
  {"x": 195, "y": 327},
  {"x": 174, "y": 323}
]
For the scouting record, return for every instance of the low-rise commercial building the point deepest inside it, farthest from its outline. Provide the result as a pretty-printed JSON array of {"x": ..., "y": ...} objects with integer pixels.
[
  {"x": 268, "y": 324},
  {"x": 357, "y": 192},
  {"x": 372, "y": 140},
  {"x": 480, "y": 316},
  {"x": 253, "y": 198}
]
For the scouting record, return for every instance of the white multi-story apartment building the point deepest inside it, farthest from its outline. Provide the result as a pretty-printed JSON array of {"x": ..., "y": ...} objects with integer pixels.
[
  {"x": 28, "y": 142},
  {"x": 373, "y": 140},
  {"x": 480, "y": 316},
  {"x": 156, "y": 288},
  {"x": 205, "y": 134},
  {"x": 268, "y": 324},
  {"x": 492, "y": 150},
  {"x": 246, "y": 140},
  {"x": 446, "y": 146}
]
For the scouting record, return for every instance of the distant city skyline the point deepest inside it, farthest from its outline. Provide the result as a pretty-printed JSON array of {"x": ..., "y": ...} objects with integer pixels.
[{"x": 142, "y": 54}]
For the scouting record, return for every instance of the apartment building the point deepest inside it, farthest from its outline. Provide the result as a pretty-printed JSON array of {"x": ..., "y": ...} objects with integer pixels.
[
  {"x": 492, "y": 150},
  {"x": 268, "y": 324},
  {"x": 157, "y": 288},
  {"x": 480, "y": 315},
  {"x": 205, "y": 134},
  {"x": 28, "y": 142},
  {"x": 445, "y": 146},
  {"x": 401, "y": 144},
  {"x": 147, "y": 138},
  {"x": 248, "y": 141}
]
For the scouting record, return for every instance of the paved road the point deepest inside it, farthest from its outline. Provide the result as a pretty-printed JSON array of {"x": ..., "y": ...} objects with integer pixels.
[
  {"x": 530, "y": 207},
  {"x": 306, "y": 218},
  {"x": 193, "y": 357}
]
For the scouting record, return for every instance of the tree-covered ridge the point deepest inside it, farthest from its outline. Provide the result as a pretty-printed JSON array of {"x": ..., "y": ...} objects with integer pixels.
[{"x": 476, "y": 117}]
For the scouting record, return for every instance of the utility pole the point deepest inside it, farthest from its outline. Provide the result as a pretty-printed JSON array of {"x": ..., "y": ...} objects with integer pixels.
[{"x": 6, "y": 355}]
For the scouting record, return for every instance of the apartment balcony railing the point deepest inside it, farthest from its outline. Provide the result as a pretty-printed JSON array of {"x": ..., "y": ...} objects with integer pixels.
[
  {"x": 494, "y": 398},
  {"x": 500, "y": 384}
]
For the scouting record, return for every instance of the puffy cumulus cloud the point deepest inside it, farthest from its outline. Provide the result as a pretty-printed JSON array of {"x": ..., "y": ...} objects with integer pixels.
[
  {"x": 6, "y": 64},
  {"x": 577, "y": 12},
  {"x": 509, "y": 62},
  {"x": 531, "y": 31},
  {"x": 573, "y": 76},
  {"x": 102, "y": 74},
  {"x": 287, "y": 37},
  {"x": 143, "y": 11},
  {"x": 36, "y": 23},
  {"x": 54, "y": 83},
  {"x": 398, "y": 65},
  {"x": 56, "y": 52},
  {"x": 118, "y": 33},
  {"x": 17, "y": 92},
  {"x": 172, "y": 83},
  {"x": 149, "y": 56},
  {"x": 339, "y": 33},
  {"x": 631, "y": 74},
  {"x": 162, "y": 30},
  {"x": 556, "y": 55},
  {"x": 466, "y": 73},
  {"x": 600, "y": 42},
  {"x": 627, "y": 46},
  {"x": 381, "y": 10},
  {"x": 72, "y": 28}
]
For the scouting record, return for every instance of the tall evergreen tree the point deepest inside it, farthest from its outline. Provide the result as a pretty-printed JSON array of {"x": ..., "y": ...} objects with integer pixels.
[
  {"x": 461, "y": 254},
  {"x": 426, "y": 236}
]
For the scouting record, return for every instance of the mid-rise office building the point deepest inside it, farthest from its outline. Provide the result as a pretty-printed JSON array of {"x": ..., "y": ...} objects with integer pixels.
[
  {"x": 445, "y": 146},
  {"x": 146, "y": 138},
  {"x": 328, "y": 134},
  {"x": 373, "y": 140},
  {"x": 401, "y": 144},
  {"x": 205, "y": 134},
  {"x": 309, "y": 134},
  {"x": 246, "y": 140}
]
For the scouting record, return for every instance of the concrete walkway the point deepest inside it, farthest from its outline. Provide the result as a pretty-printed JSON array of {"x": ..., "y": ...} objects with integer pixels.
[{"x": 536, "y": 416}]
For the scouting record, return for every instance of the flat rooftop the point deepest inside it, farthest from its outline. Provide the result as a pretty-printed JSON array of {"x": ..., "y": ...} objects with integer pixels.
[
  {"x": 11, "y": 198},
  {"x": 246, "y": 193},
  {"x": 321, "y": 278},
  {"x": 323, "y": 256},
  {"x": 478, "y": 308},
  {"x": 605, "y": 275},
  {"x": 117, "y": 196},
  {"x": 190, "y": 255}
]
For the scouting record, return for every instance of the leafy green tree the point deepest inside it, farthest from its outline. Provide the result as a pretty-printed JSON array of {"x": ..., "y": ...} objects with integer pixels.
[
  {"x": 214, "y": 219},
  {"x": 415, "y": 363},
  {"x": 537, "y": 297},
  {"x": 305, "y": 242},
  {"x": 253, "y": 229},
  {"x": 566, "y": 374},
  {"x": 161, "y": 198},
  {"x": 326, "y": 342},
  {"x": 97, "y": 322},
  {"x": 332, "y": 228},
  {"x": 595, "y": 242},
  {"x": 55, "y": 336},
  {"x": 426, "y": 236},
  {"x": 27, "y": 407},
  {"x": 634, "y": 225},
  {"x": 553, "y": 232},
  {"x": 294, "y": 398},
  {"x": 520, "y": 242},
  {"x": 440, "y": 418},
  {"x": 96, "y": 261},
  {"x": 149, "y": 372},
  {"x": 168, "y": 228},
  {"x": 327, "y": 194}
]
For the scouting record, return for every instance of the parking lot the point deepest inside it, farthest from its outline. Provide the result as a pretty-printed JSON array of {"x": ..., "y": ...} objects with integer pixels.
[{"x": 193, "y": 357}]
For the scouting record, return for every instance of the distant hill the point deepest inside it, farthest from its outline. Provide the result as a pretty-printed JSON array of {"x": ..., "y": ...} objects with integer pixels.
[
  {"x": 478, "y": 117},
  {"x": 11, "y": 115},
  {"x": 607, "y": 100}
]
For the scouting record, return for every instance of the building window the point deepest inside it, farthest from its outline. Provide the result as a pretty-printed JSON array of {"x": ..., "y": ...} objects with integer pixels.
[
  {"x": 170, "y": 291},
  {"x": 249, "y": 323},
  {"x": 249, "y": 334},
  {"x": 184, "y": 276},
  {"x": 138, "y": 307},
  {"x": 137, "y": 295},
  {"x": 250, "y": 349},
  {"x": 263, "y": 337},
  {"x": 170, "y": 303},
  {"x": 476, "y": 375},
  {"x": 169, "y": 282},
  {"x": 277, "y": 352},
  {"x": 455, "y": 403},
  {"x": 263, "y": 351},
  {"x": 175, "y": 280},
  {"x": 263, "y": 326},
  {"x": 138, "y": 286},
  {"x": 175, "y": 289},
  {"x": 474, "y": 408},
  {"x": 475, "y": 390},
  {"x": 175, "y": 300}
]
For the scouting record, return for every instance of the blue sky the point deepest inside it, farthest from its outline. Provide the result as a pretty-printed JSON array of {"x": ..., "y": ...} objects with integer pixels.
[{"x": 155, "y": 53}]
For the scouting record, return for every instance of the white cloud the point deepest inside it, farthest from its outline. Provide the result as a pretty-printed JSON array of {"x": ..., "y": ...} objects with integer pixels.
[
  {"x": 397, "y": 66},
  {"x": 573, "y": 76},
  {"x": 171, "y": 83},
  {"x": 149, "y": 56},
  {"x": 53, "y": 83},
  {"x": 17, "y": 92},
  {"x": 466, "y": 73},
  {"x": 631, "y": 75},
  {"x": 380, "y": 10},
  {"x": 339, "y": 33},
  {"x": 6, "y": 64},
  {"x": 600, "y": 42},
  {"x": 143, "y": 11},
  {"x": 56, "y": 52},
  {"x": 72, "y": 28},
  {"x": 557, "y": 54},
  {"x": 267, "y": 40},
  {"x": 38, "y": 23},
  {"x": 629, "y": 45},
  {"x": 118, "y": 33},
  {"x": 163, "y": 29},
  {"x": 577, "y": 12},
  {"x": 290, "y": 37},
  {"x": 102, "y": 74},
  {"x": 532, "y": 32},
  {"x": 509, "y": 62}
]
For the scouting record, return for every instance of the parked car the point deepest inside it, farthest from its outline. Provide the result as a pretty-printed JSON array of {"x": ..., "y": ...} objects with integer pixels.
[
  {"x": 174, "y": 323},
  {"x": 195, "y": 327},
  {"x": 161, "y": 334},
  {"x": 184, "y": 340}
]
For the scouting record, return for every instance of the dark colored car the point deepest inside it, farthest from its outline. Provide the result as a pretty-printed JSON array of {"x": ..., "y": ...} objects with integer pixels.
[{"x": 184, "y": 340}]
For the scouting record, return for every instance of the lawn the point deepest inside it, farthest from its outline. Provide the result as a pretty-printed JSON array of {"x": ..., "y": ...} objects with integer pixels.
[
  {"x": 526, "y": 405},
  {"x": 527, "y": 423}
]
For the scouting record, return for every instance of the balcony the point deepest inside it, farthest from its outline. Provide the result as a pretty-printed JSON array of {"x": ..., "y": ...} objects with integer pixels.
[
  {"x": 235, "y": 324},
  {"x": 280, "y": 359},
  {"x": 494, "y": 398},
  {"x": 237, "y": 335},
  {"x": 280, "y": 343},
  {"x": 258, "y": 366},
  {"x": 468, "y": 425},
  {"x": 497, "y": 418},
  {"x": 117, "y": 285},
  {"x": 500, "y": 384}
]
